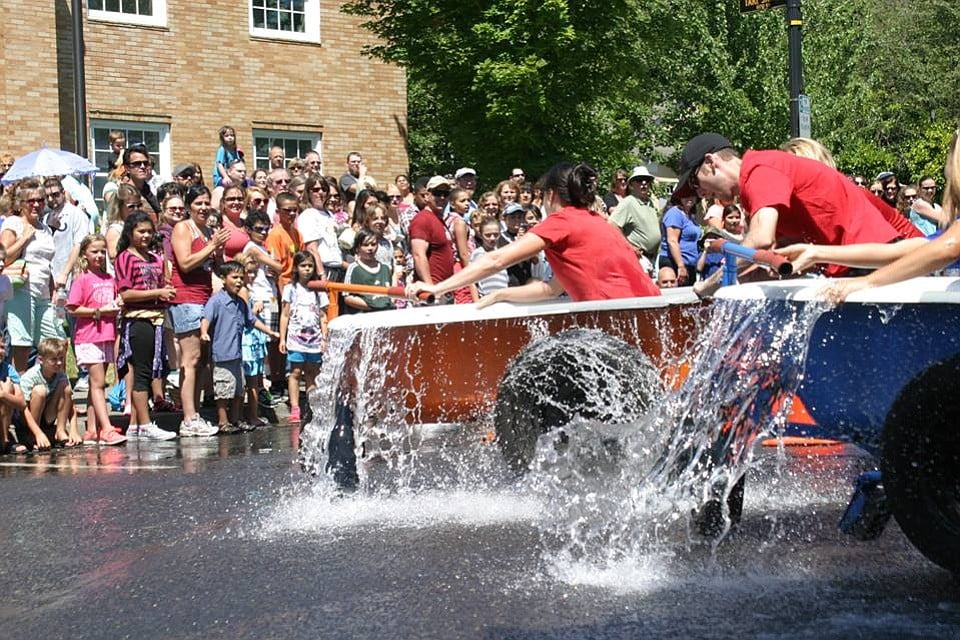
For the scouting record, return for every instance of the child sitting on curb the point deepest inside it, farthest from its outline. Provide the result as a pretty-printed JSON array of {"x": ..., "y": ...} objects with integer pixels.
[
  {"x": 11, "y": 400},
  {"x": 49, "y": 414}
]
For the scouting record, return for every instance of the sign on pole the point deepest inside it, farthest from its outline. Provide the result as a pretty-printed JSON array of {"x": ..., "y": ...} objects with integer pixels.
[
  {"x": 804, "y": 106},
  {"x": 746, "y": 6}
]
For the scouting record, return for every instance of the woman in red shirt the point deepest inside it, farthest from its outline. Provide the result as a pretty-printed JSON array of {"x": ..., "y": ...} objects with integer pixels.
[
  {"x": 196, "y": 250},
  {"x": 590, "y": 258}
]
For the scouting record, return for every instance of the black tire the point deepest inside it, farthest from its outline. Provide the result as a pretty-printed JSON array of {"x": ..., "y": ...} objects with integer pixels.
[
  {"x": 920, "y": 463},
  {"x": 581, "y": 372}
]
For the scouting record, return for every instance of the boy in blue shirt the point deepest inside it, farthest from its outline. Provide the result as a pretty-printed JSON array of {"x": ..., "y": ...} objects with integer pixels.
[{"x": 226, "y": 314}]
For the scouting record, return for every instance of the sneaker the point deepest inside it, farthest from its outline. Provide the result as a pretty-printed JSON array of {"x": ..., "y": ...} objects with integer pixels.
[
  {"x": 90, "y": 437},
  {"x": 263, "y": 422},
  {"x": 243, "y": 425},
  {"x": 228, "y": 429},
  {"x": 173, "y": 379},
  {"x": 294, "y": 417},
  {"x": 82, "y": 385},
  {"x": 133, "y": 432},
  {"x": 198, "y": 427},
  {"x": 111, "y": 437},
  {"x": 265, "y": 399},
  {"x": 151, "y": 431}
]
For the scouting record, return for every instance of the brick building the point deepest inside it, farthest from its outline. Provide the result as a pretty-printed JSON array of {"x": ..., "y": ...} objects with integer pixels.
[{"x": 171, "y": 73}]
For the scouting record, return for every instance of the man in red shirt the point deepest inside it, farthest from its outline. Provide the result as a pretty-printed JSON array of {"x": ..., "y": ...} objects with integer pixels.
[
  {"x": 430, "y": 240},
  {"x": 787, "y": 198}
]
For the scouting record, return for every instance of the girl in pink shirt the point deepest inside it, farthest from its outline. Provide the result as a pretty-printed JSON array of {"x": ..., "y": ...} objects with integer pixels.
[{"x": 94, "y": 302}]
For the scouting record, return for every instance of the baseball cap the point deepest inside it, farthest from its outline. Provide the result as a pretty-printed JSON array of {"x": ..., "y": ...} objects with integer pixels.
[
  {"x": 437, "y": 181},
  {"x": 512, "y": 208},
  {"x": 693, "y": 154},
  {"x": 464, "y": 171},
  {"x": 184, "y": 170}
]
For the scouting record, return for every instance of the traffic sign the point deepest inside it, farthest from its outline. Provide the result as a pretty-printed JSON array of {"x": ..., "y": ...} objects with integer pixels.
[{"x": 746, "y": 6}]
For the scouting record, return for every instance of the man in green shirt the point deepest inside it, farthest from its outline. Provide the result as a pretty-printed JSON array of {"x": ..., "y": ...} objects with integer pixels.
[{"x": 637, "y": 216}]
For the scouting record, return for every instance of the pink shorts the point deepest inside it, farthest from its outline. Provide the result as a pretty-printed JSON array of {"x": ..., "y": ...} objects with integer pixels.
[{"x": 94, "y": 352}]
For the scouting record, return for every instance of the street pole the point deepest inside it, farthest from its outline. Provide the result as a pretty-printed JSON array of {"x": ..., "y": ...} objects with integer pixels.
[{"x": 795, "y": 41}]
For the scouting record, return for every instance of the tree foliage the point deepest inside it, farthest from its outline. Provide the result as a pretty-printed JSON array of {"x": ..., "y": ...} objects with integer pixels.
[{"x": 496, "y": 83}]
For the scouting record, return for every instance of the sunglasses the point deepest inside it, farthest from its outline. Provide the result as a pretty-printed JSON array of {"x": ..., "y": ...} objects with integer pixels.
[
  {"x": 281, "y": 181},
  {"x": 260, "y": 229},
  {"x": 317, "y": 190},
  {"x": 441, "y": 194},
  {"x": 234, "y": 199},
  {"x": 289, "y": 210},
  {"x": 876, "y": 192},
  {"x": 37, "y": 201},
  {"x": 141, "y": 164}
]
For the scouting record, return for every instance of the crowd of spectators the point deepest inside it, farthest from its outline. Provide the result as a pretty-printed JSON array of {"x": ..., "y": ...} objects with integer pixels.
[{"x": 193, "y": 291}]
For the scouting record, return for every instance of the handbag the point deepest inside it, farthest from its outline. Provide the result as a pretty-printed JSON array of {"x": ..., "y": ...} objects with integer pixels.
[{"x": 18, "y": 272}]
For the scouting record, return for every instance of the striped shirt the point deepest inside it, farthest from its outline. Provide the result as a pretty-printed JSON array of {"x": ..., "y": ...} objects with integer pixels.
[{"x": 133, "y": 272}]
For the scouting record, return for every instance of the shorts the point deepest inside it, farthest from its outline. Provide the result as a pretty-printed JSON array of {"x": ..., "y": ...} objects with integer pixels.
[
  {"x": 94, "y": 352},
  {"x": 228, "y": 379},
  {"x": 253, "y": 368},
  {"x": 186, "y": 317},
  {"x": 31, "y": 319},
  {"x": 299, "y": 357}
]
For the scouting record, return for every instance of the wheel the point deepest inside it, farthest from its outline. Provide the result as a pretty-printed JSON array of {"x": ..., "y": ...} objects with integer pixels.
[
  {"x": 581, "y": 372},
  {"x": 920, "y": 463}
]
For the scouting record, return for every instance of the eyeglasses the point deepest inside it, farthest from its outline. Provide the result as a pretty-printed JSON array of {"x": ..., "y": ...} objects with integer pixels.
[
  {"x": 257, "y": 201},
  {"x": 260, "y": 229},
  {"x": 140, "y": 164},
  {"x": 441, "y": 194},
  {"x": 281, "y": 181},
  {"x": 317, "y": 190},
  {"x": 133, "y": 205},
  {"x": 912, "y": 196},
  {"x": 234, "y": 199},
  {"x": 35, "y": 201},
  {"x": 54, "y": 194},
  {"x": 176, "y": 209},
  {"x": 398, "y": 198},
  {"x": 876, "y": 192}
]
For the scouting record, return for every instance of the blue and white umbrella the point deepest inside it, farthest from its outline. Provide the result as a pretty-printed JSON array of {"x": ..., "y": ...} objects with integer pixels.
[{"x": 48, "y": 162}]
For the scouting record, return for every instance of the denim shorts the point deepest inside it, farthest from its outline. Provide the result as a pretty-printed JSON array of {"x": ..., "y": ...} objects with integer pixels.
[
  {"x": 186, "y": 317},
  {"x": 299, "y": 357}
]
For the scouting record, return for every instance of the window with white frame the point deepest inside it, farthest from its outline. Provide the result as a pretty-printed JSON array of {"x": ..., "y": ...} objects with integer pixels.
[
  {"x": 156, "y": 137},
  {"x": 286, "y": 19},
  {"x": 146, "y": 12},
  {"x": 294, "y": 145}
]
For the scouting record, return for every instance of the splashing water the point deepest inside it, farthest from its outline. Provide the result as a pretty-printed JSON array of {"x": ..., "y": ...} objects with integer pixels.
[{"x": 610, "y": 508}]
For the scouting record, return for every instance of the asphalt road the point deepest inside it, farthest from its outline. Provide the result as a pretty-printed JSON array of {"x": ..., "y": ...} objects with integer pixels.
[{"x": 225, "y": 538}]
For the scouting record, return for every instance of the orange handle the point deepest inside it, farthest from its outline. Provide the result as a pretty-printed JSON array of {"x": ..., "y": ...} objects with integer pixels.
[{"x": 393, "y": 292}]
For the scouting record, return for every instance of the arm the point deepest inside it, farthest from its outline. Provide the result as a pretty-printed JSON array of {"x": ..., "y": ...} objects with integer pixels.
[
  {"x": 165, "y": 294},
  {"x": 533, "y": 291},
  {"x": 763, "y": 229},
  {"x": 15, "y": 244},
  {"x": 486, "y": 265},
  {"x": 421, "y": 264},
  {"x": 61, "y": 280},
  {"x": 258, "y": 324},
  {"x": 356, "y": 302},
  {"x": 205, "y": 329},
  {"x": 313, "y": 248},
  {"x": 42, "y": 441},
  {"x": 284, "y": 323},
  {"x": 181, "y": 242},
  {"x": 13, "y": 398},
  {"x": 461, "y": 236},
  {"x": 96, "y": 313},
  {"x": 919, "y": 262},
  {"x": 673, "y": 246},
  {"x": 869, "y": 255},
  {"x": 113, "y": 237}
]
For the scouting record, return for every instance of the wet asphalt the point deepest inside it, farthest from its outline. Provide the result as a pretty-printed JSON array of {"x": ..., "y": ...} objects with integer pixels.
[{"x": 225, "y": 538}]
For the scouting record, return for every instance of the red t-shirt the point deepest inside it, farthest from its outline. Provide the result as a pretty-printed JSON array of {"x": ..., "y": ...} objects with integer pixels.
[
  {"x": 591, "y": 258},
  {"x": 816, "y": 204},
  {"x": 428, "y": 226}
]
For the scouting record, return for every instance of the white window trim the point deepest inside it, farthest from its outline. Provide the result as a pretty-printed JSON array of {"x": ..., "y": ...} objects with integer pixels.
[
  {"x": 158, "y": 19},
  {"x": 311, "y": 25},
  {"x": 163, "y": 148},
  {"x": 315, "y": 139}
]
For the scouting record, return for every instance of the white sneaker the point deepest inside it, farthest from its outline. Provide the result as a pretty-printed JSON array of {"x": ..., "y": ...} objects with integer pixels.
[
  {"x": 133, "y": 432},
  {"x": 197, "y": 426},
  {"x": 151, "y": 431},
  {"x": 82, "y": 385},
  {"x": 173, "y": 379}
]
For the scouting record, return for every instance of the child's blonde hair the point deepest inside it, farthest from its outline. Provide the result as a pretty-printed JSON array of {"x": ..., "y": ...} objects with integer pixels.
[
  {"x": 951, "y": 193},
  {"x": 82, "y": 265},
  {"x": 51, "y": 347}
]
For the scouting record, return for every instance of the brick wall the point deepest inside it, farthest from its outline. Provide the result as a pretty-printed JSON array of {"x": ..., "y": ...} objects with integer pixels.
[{"x": 201, "y": 71}]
